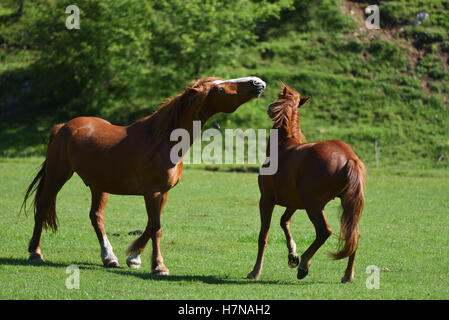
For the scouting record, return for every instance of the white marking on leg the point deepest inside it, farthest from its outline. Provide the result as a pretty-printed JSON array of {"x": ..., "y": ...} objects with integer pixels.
[
  {"x": 107, "y": 254},
  {"x": 293, "y": 258},
  {"x": 134, "y": 261},
  {"x": 292, "y": 246}
]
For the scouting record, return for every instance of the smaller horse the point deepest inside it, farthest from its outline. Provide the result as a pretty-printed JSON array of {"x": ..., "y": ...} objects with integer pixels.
[{"x": 309, "y": 176}]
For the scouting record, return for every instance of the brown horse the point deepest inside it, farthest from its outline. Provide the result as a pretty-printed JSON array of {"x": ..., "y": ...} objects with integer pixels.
[
  {"x": 130, "y": 160},
  {"x": 309, "y": 176}
]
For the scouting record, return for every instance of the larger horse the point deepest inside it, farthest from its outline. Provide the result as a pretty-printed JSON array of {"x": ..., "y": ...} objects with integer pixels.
[
  {"x": 129, "y": 160},
  {"x": 309, "y": 176}
]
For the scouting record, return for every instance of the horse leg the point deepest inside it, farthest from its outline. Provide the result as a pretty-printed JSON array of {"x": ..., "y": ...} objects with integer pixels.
[
  {"x": 154, "y": 204},
  {"x": 99, "y": 200},
  {"x": 34, "y": 248},
  {"x": 53, "y": 178},
  {"x": 323, "y": 231},
  {"x": 266, "y": 207},
  {"x": 349, "y": 272},
  {"x": 157, "y": 261},
  {"x": 293, "y": 258}
]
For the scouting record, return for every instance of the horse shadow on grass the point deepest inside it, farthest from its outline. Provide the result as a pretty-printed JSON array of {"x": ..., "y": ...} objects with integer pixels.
[
  {"x": 208, "y": 279},
  {"x": 123, "y": 271},
  {"x": 46, "y": 263}
]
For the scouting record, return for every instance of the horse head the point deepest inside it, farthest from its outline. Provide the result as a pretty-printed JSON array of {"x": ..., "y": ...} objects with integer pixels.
[
  {"x": 284, "y": 112},
  {"x": 226, "y": 96}
]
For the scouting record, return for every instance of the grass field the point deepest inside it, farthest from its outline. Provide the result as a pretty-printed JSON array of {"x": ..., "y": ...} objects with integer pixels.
[{"x": 210, "y": 228}]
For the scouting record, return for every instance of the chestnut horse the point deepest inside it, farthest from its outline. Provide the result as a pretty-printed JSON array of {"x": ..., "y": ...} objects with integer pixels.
[
  {"x": 129, "y": 160},
  {"x": 309, "y": 176}
]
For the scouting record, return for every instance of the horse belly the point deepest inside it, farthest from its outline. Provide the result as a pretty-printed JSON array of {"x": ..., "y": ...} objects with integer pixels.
[
  {"x": 111, "y": 184},
  {"x": 283, "y": 190},
  {"x": 110, "y": 178},
  {"x": 288, "y": 197}
]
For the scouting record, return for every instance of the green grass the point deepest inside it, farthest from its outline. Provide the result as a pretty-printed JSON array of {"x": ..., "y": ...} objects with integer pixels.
[{"x": 210, "y": 228}]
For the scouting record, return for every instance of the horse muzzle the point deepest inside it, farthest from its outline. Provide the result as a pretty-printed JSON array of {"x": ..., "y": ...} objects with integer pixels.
[{"x": 258, "y": 85}]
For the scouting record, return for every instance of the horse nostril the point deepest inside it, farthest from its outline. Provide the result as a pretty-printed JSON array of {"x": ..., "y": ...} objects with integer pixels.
[{"x": 258, "y": 84}]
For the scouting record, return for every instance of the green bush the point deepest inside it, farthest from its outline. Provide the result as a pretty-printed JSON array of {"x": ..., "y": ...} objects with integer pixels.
[{"x": 131, "y": 52}]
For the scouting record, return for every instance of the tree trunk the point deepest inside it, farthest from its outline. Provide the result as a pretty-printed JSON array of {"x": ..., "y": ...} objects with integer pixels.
[{"x": 20, "y": 11}]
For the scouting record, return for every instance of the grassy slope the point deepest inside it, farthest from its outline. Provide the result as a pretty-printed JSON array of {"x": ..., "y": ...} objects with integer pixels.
[
  {"x": 365, "y": 85},
  {"x": 210, "y": 246}
]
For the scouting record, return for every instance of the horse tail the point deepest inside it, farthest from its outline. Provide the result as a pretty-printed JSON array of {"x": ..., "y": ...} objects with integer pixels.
[
  {"x": 37, "y": 186},
  {"x": 352, "y": 201}
]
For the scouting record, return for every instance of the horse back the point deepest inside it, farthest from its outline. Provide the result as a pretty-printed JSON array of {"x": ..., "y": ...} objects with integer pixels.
[{"x": 308, "y": 174}]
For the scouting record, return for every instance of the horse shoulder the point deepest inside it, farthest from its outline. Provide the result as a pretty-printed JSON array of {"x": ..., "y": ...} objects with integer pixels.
[{"x": 167, "y": 175}]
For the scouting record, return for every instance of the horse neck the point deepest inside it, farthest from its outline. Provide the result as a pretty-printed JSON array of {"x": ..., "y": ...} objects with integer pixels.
[
  {"x": 192, "y": 122},
  {"x": 290, "y": 129},
  {"x": 301, "y": 137},
  {"x": 163, "y": 122}
]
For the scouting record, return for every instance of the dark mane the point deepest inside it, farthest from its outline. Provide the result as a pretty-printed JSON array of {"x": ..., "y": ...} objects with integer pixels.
[
  {"x": 285, "y": 114},
  {"x": 165, "y": 119}
]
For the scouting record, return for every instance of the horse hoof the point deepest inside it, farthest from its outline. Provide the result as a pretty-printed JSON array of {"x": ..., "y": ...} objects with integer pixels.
[
  {"x": 347, "y": 280},
  {"x": 134, "y": 262},
  {"x": 161, "y": 271},
  {"x": 302, "y": 273},
  {"x": 111, "y": 264},
  {"x": 253, "y": 275},
  {"x": 36, "y": 257},
  {"x": 133, "y": 265},
  {"x": 293, "y": 260}
]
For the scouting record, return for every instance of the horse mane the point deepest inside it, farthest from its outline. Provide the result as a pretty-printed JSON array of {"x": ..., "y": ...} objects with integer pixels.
[
  {"x": 166, "y": 118},
  {"x": 284, "y": 112}
]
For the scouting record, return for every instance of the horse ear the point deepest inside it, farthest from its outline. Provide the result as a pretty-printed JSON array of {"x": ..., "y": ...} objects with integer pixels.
[
  {"x": 303, "y": 101},
  {"x": 191, "y": 90}
]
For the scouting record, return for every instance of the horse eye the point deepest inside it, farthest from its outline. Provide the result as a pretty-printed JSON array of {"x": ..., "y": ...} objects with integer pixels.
[{"x": 221, "y": 90}]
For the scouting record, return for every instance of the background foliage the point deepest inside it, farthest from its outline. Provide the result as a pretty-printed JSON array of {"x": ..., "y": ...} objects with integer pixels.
[{"x": 389, "y": 86}]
